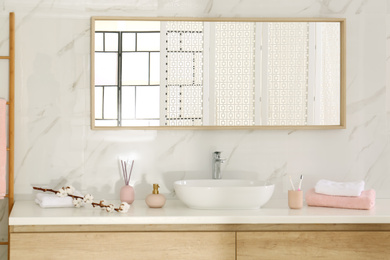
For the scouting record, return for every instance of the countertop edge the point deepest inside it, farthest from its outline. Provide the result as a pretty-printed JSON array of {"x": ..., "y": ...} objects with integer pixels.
[{"x": 174, "y": 212}]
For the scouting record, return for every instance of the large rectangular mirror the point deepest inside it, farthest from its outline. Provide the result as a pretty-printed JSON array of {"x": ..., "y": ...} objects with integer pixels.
[{"x": 155, "y": 73}]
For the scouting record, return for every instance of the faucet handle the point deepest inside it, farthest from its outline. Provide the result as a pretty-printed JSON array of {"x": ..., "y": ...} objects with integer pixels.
[{"x": 217, "y": 155}]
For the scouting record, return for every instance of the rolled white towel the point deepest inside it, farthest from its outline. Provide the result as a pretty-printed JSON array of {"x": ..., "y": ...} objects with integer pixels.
[
  {"x": 50, "y": 200},
  {"x": 351, "y": 189}
]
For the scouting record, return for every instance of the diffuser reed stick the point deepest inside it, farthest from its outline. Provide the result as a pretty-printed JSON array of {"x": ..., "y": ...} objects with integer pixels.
[{"x": 127, "y": 170}]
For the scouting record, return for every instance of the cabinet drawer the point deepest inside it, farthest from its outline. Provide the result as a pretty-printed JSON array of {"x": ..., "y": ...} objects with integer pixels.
[
  {"x": 313, "y": 245},
  {"x": 123, "y": 245}
]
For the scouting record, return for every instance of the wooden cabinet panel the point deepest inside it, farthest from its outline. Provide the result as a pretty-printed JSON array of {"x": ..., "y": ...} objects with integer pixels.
[
  {"x": 123, "y": 245},
  {"x": 313, "y": 245}
]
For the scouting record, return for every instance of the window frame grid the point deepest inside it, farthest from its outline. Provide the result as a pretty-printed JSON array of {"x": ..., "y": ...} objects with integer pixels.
[{"x": 119, "y": 77}]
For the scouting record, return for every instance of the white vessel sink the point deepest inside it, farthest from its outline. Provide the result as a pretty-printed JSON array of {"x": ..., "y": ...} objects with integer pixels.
[{"x": 223, "y": 194}]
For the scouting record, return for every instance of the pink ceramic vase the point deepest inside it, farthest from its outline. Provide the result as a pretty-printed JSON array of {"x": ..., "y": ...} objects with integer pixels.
[{"x": 127, "y": 194}]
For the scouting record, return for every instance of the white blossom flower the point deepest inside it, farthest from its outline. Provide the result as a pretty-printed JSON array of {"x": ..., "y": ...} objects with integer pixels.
[
  {"x": 78, "y": 202},
  {"x": 110, "y": 208},
  {"x": 88, "y": 198},
  {"x": 62, "y": 193},
  {"x": 70, "y": 189},
  {"x": 124, "y": 207}
]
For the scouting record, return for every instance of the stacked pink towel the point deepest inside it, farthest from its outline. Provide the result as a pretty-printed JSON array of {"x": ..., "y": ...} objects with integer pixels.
[
  {"x": 365, "y": 201},
  {"x": 3, "y": 147}
]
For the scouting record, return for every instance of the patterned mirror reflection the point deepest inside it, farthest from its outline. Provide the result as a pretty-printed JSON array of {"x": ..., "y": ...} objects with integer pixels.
[{"x": 216, "y": 73}]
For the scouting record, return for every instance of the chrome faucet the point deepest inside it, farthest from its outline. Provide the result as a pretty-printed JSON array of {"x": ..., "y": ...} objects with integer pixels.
[{"x": 217, "y": 160}]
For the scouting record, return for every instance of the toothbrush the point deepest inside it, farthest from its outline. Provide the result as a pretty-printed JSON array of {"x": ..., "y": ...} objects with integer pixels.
[
  {"x": 300, "y": 182},
  {"x": 292, "y": 184}
]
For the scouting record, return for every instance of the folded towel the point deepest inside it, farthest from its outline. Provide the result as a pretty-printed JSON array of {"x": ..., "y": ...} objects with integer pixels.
[
  {"x": 365, "y": 201},
  {"x": 339, "y": 188},
  {"x": 51, "y": 200},
  {"x": 3, "y": 148}
]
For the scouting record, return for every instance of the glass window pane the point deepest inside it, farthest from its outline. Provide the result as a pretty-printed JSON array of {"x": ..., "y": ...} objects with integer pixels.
[
  {"x": 148, "y": 42},
  {"x": 135, "y": 68},
  {"x": 106, "y": 68},
  {"x": 155, "y": 68},
  {"x": 98, "y": 41},
  {"x": 110, "y": 103},
  {"x": 150, "y": 122},
  {"x": 98, "y": 102},
  {"x": 148, "y": 102},
  {"x": 106, "y": 123},
  {"x": 111, "y": 42},
  {"x": 128, "y": 42},
  {"x": 128, "y": 102}
]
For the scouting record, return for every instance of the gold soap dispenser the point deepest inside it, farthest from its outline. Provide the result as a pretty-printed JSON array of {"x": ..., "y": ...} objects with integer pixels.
[{"x": 155, "y": 200}]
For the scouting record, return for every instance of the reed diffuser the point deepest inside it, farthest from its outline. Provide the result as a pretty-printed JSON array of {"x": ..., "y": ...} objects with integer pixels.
[{"x": 127, "y": 191}]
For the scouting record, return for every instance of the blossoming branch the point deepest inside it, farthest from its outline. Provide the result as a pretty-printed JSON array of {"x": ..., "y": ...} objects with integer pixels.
[{"x": 78, "y": 201}]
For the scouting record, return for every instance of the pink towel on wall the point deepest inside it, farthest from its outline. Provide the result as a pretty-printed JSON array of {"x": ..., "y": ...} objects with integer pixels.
[
  {"x": 365, "y": 201},
  {"x": 3, "y": 148}
]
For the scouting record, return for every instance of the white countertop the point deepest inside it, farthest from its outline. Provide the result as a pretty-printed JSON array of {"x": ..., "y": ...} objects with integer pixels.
[{"x": 175, "y": 212}]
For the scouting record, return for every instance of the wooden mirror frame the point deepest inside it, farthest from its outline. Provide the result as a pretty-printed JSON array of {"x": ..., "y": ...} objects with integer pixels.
[{"x": 342, "y": 125}]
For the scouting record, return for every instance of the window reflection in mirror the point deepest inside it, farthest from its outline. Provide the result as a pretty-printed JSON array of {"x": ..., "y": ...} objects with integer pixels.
[{"x": 197, "y": 74}]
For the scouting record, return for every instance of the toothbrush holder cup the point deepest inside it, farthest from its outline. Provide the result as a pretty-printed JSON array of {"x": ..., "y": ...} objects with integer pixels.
[{"x": 295, "y": 199}]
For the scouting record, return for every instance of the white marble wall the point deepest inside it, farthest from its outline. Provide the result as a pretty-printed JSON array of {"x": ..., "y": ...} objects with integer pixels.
[{"x": 55, "y": 145}]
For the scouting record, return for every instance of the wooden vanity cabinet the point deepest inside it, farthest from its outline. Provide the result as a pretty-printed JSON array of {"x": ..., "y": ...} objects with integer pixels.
[
  {"x": 123, "y": 245},
  {"x": 313, "y": 245},
  {"x": 203, "y": 242}
]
